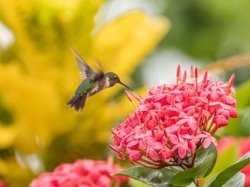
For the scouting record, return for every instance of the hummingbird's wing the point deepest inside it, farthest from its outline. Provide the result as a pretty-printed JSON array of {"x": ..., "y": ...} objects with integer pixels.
[
  {"x": 99, "y": 73},
  {"x": 84, "y": 69}
]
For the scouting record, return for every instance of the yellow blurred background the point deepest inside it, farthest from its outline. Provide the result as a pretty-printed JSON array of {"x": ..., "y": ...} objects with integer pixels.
[{"x": 38, "y": 75}]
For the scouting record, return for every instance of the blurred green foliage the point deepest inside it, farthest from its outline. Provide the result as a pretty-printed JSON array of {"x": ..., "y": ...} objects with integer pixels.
[{"x": 208, "y": 29}]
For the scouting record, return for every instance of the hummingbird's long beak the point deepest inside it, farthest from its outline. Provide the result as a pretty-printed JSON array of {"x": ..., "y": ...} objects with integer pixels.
[{"x": 126, "y": 86}]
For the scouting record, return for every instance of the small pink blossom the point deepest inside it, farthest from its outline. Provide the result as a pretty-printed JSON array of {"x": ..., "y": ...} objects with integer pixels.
[
  {"x": 169, "y": 125},
  {"x": 82, "y": 173}
]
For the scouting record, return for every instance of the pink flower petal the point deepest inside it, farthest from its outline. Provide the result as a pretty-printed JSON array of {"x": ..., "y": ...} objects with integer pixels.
[
  {"x": 133, "y": 144},
  {"x": 206, "y": 143},
  {"x": 152, "y": 153},
  {"x": 220, "y": 121},
  {"x": 173, "y": 139},
  {"x": 182, "y": 151},
  {"x": 233, "y": 113},
  {"x": 135, "y": 155}
]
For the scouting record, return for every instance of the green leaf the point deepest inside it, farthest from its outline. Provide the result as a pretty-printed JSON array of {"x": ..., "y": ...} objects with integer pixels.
[
  {"x": 153, "y": 177},
  {"x": 237, "y": 180},
  {"x": 224, "y": 161},
  {"x": 200, "y": 161},
  {"x": 184, "y": 178},
  {"x": 205, "y": 163},
  {"x": 133, "y": 182},
  {"x": 225, "y": 177}
]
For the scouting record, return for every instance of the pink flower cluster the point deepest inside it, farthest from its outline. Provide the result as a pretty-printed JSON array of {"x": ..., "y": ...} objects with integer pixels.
[
  {"x": 82, "y": 173},
  {"x": 174, "y": 120}
]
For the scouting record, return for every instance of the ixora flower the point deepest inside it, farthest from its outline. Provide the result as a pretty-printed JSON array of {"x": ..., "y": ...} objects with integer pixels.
[
  {"x": 82, "y": 173},
  {"x": 173, "y": 121}
]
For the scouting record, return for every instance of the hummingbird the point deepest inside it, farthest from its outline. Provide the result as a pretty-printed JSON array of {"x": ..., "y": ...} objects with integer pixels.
[{"x": 92, "y": 83}]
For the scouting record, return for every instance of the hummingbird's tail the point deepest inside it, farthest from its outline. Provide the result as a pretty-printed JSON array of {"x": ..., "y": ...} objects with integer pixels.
[{"x": 77, "y": 102}]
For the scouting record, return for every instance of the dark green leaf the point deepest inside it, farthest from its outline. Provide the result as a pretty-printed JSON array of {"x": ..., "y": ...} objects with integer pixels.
[
  {"x": 211, "y": 161},
  {"x": 223, "y": 177},
  {"x": 205, "y": 163},
  {"x": 184, "y": 178},
  {"x": 153, "y": 177}
]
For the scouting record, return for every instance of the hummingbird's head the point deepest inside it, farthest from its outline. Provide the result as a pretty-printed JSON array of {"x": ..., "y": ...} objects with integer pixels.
[{"x": 113, "y": 79}]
